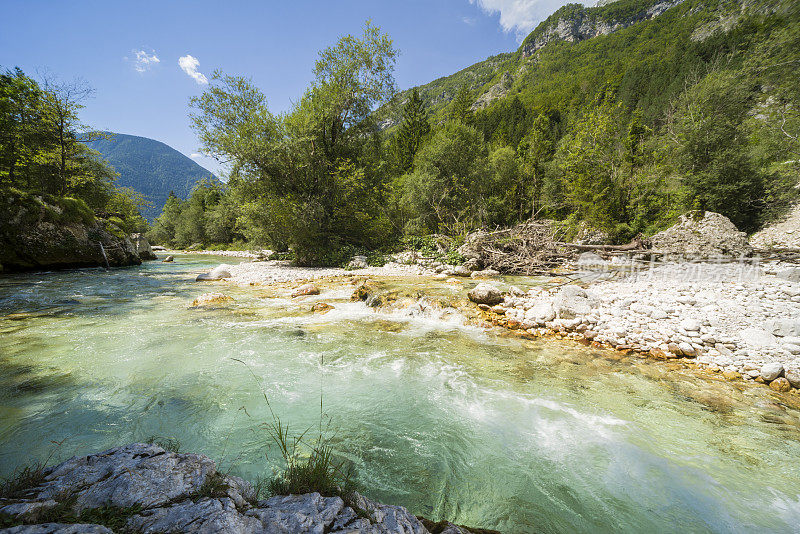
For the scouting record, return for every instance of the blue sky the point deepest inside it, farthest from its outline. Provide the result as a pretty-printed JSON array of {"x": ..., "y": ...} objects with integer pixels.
[{"x": 145, "y": 59}]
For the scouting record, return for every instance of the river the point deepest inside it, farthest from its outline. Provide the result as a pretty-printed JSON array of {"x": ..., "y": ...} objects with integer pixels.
[{"x": 446, "y": 419}]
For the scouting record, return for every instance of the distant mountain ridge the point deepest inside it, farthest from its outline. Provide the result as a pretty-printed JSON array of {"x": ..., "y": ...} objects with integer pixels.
[{"x": 151, "y": 167}]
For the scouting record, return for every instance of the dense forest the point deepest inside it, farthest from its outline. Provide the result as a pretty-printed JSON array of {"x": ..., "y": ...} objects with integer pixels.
[
  {"x": 43, "y": 155},
  {"x": 694, "y": 109}
]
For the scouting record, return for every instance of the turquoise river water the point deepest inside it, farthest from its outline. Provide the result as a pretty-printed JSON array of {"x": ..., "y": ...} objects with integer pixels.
[{"x": 448, "y": 420}]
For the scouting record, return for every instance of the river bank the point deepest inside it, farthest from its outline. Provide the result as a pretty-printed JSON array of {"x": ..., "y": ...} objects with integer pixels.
[{"x": 740, "y": 319}]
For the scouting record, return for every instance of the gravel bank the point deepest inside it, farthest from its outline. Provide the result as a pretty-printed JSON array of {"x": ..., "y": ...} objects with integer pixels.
[
  {"x": 270, "y": 272},
  {"x": 742, "y": 321}
]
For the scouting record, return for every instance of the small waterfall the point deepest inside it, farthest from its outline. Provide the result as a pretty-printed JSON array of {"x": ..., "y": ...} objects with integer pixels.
[{"x": 103, "y": 250}]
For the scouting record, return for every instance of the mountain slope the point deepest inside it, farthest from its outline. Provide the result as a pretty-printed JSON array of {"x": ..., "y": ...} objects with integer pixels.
[
  {"x": 151, "y": 167},
  {"x": 643, "y": 49}
]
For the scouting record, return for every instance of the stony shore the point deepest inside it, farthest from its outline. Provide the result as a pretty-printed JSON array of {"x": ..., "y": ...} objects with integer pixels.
[
  {"x": 739, "y": 319},
  {"x": 144, "y": 488}
]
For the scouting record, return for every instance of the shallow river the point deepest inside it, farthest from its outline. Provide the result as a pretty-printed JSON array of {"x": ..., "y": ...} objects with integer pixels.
[{"x": 448, "y": 420}]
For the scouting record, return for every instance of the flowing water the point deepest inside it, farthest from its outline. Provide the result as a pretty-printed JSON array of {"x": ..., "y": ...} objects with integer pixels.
[{"x": 448, "y": 420}]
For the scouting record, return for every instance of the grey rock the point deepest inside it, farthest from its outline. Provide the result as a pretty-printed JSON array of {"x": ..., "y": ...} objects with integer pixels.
[
  {"x": 783, "y": 327},
  {"x": 358, "y": 262},
  {"x": 793, "y": 376},
  {"x": 168, "y": 259},
  {"x": 205, "y": 515},
  {"x": 702, "y": 234},
  {"x": 791, "y": 274},
  {"x": 219, "y": 272},
  {"x": 757, "y": 337},
  {"x": 140, "y": 474},
  {"x": 142, "y": 247},
  {"x": 771, "y": 371},
  {"x": 462, "y": 270},
  {"x": 691, "y": 325},
  {"x": 485, "y": 293}
]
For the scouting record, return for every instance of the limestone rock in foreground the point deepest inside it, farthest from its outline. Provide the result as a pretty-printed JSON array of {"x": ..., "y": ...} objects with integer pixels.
[
  {"x": 169, "y": 493},
  {"x": 700, "y": 235}
]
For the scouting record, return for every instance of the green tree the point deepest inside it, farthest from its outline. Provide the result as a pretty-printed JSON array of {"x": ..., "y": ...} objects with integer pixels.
[
  {"x": 450, "y": 183},
  {"x": 307, "y": 170},
  {"x": 461, "y": 107},
  {"x": 711, "y": 148},
  {"x": 411, "y": 133}
]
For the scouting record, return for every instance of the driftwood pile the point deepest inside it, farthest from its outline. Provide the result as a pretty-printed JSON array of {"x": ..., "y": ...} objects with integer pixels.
[
  {"x": 534, "y": 247},
  {"x": 529, "y": 248}
]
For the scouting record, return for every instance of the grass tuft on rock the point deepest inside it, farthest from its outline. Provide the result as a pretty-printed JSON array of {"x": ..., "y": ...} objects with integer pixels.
[{"x": 23, "y": 480}]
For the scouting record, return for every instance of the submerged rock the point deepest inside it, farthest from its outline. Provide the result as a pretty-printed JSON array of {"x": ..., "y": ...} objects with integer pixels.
[
  {"x": 211, "y": 299},
  {"x": 307, "y": 289},
  {"x": 321, "y": 307}
]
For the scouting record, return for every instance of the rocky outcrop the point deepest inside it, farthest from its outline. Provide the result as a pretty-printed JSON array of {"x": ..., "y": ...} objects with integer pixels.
[
  {"x": 782, "y": 234},
  {"x": 701, "y": 235},
  {"x": 154, "y": 490},
  {"x": 485, "y": 293},
  {"x": 142, "y": 247},
  {"x": 495, "y": 92},
  {"x": 575, "y": 23},
  {"x": 38, "y": 233}
]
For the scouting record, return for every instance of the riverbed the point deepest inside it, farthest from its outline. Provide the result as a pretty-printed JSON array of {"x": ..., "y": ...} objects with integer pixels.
[{"x": 450, "y": 420}]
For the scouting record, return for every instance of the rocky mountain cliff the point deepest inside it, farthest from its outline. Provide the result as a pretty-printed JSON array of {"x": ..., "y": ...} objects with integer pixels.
[{"x": 574, "y": 22}]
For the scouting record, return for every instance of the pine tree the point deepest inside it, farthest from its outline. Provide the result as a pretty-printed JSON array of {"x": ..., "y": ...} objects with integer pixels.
[
  {"x": 461, "y": 107},
  {"x": 411, "y": 134}
]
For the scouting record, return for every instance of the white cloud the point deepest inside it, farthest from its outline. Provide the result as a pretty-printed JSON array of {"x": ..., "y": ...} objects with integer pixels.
[
  {"x": 469, "y": 21},
  {"x": 189, "y": 65},
  {"x": 520, "y": 16},
  {"x": 144, "y": 61},
  {"x": 196, "y": 155}
]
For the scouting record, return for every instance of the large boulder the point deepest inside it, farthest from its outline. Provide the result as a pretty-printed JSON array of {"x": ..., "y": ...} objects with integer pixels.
[
  {"x": 142, "y": 246},
  {"x": 702, "y": 235},
  {"x": 220, "y": 272},
  {"x": 485, "y": 293}
]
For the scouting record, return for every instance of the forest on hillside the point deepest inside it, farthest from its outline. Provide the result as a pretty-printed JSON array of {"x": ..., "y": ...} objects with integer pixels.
[{"x": 623, "y": 132}]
